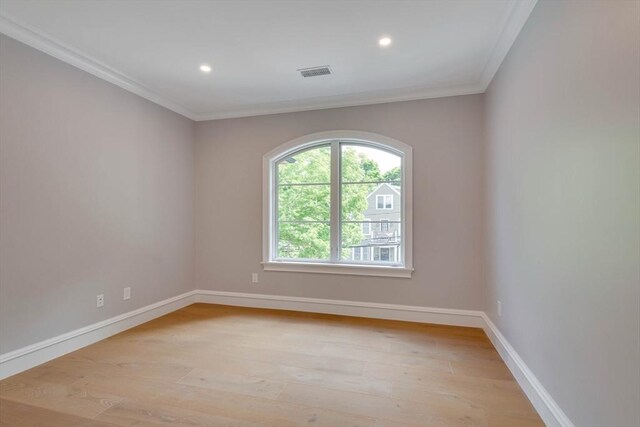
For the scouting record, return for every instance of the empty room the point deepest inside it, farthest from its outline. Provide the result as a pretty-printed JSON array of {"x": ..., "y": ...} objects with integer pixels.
[{"x": 329, "y": 213}]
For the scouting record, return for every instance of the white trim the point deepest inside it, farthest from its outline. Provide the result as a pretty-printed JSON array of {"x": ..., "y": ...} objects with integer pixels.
[
  {"x": 360, "y": 99},
  {"x": 336, "y": 200},
  {"x": 516, "y": 18},
  {"x": 547, "y": 408},
  {"x": 32, "y": 355},
  {"x": 37, "y": 39},
  {"x": 440, "y": 316},
  {"x": 49, "y": 45},
  {"x": 335, "y": 268}
]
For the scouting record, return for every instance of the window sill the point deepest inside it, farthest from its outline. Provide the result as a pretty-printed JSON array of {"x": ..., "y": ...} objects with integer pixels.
[{"x": 348, "y": 269}]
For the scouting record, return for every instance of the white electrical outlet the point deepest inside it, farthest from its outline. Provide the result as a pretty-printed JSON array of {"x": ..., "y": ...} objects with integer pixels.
[
  {"x": 100, "y": 300},
  {"x": 127, "y": 293},
  {"x": 254, "y": 277},
  {"x": 499, "y": 308}
]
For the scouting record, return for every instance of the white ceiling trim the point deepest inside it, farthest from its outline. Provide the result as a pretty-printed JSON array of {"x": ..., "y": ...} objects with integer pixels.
[
  {"x": 516, "y": 19},
  {"x": 47, "y": 44},
  {"x": 30, "y": 36},
  {"x": 369, "y": 98}
]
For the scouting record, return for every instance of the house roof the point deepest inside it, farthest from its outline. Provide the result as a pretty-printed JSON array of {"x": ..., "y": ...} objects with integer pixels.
[{"x": 395, "y": 188}]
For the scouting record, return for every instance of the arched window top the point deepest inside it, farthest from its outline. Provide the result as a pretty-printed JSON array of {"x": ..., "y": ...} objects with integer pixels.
[
  {"x": 369, "y": 138},
  {"x": 338, "y": 202}
]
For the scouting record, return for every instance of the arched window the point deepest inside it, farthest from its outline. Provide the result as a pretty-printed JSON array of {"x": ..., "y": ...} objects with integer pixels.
[{"x": 338, "y": 202}]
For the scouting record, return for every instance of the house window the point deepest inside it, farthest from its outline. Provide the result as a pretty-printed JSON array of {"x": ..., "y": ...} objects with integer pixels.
[
  {"x": 384, "y": 254},
  {"x": 321, "y": 194},
  {"x": 366, "y": 227},
  {"x": 384, "y": 201}
]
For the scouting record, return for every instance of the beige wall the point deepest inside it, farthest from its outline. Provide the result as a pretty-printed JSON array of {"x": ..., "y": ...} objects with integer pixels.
[
  {"x": 96, "y": 193},
  {"x": 564, "y": 201},
  {"x": 446, "y": 136}
]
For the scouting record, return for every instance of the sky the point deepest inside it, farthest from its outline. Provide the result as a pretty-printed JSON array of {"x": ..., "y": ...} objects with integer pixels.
[{"x": 386, "y": 161}]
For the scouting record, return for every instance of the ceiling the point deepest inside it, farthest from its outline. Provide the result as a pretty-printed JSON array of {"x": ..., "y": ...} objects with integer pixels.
[{"x": 155, "y": 48}]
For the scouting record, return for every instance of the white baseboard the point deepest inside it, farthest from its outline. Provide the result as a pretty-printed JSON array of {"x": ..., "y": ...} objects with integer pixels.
[
  {"x": 27, "y": 357},
  {"x": 33, "y": 355},
  {"x": 441, "y": 316},
  {"x": 547, "y": 408}
]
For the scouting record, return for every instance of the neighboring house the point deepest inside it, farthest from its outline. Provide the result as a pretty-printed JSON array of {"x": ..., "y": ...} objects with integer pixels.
[{"x": 381, "y": 231}]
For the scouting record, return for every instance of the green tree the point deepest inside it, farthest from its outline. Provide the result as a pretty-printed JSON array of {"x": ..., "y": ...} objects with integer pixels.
[
  {"x": 304, "y": 194},
  {"x": 394, "y": 174}
]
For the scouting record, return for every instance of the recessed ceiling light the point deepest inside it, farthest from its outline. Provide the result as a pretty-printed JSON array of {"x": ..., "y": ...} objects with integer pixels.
[
  {"x": 205, "y": 68},
  {"x": 384, "y": 42}
]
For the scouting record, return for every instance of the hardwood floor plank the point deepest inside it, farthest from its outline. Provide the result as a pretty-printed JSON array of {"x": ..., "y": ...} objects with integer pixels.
[
  {"x": 15, "y": 414},
  {"x": 235, "y": 383},
  {"x": 263, "y": 411},
  {"x": 145, "y": 413},
  {"x": 482, "y": 368},
  {"x": 367, "y": 355},
  {"x": 126, "y": 387},
  {"x": 57, "y": 397},
  {"x": 402, "y": 411},
  {"x": 339, "y": 381}
]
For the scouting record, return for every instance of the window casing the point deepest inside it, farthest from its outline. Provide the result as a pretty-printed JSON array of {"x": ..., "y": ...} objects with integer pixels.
[{"x": 338, "y": 250}]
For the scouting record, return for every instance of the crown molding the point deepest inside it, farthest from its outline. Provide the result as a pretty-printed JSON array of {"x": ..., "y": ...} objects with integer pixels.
[
  {"x": 335, "y": 102},
  {"x": 47, "y": 44},
  {"x": 516, "y": 18}
]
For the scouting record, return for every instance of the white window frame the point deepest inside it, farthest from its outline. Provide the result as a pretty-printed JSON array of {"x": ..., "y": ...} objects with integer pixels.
[
  {"x": 402, "y": 268},
  {"x": 384, "y": 198}
]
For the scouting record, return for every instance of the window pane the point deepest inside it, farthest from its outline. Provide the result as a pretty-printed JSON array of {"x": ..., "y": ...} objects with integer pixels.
[
  {"x": 311, "y": 166},
  {"x": 303, "y": 241},
  {"x": 371, "y": 190},
  {"x": 303, "y": 204}
]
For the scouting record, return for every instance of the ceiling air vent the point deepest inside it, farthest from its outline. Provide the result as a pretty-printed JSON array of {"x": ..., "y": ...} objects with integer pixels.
[{"x": 315, "y": 71}]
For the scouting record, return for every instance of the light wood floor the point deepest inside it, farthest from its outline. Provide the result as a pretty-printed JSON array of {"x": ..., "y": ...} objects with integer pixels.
[{"x": 208, "y": 365}]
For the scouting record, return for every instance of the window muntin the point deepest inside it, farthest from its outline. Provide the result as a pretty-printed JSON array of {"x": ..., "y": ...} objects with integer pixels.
[{"x": 341, "y": 251}]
